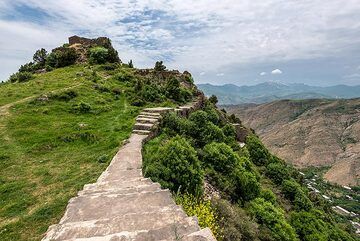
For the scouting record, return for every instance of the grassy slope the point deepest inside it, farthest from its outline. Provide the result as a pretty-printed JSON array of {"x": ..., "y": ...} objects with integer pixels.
[{"x": 48, "y": 152}]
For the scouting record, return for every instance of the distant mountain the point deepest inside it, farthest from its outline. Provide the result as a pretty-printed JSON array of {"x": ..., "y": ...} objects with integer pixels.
[
  {"x": 269, "y": 91},
  {"x": 314, "y": 132}
]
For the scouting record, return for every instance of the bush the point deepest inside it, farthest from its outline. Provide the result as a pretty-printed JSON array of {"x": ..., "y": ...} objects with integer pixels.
[
  {"x": 172, "y": 89},
  {"x": 277, "y": 172},
  {"x": 268, "y": 196},
  {"x": 98, "y": 55},
  {"x": 294, "y": 192},
  {"x": 176, "y": 125},
  {"x": 103, "y": 158},
  {"x": 220, "y": 157},
  {"x": 152, "y": 93},
  {"x": 259, "y": 155},
  {"x": 309, "y": 227},
  {"x": 273, "y": 218},
  {"x": 82, "y": 107},
  {"x": 247, "y": 185},
  {"x": 61, "y": 57},
  {"x": 202, "y": 209},
  {"x": 124, "y": 76},
  {"x": 177, "y": 167},
  {"x": 20, "y": 77},
  {"x": 65, "y": 96}
]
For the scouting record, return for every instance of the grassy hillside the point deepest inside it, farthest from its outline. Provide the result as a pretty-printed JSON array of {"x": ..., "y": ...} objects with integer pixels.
[
  {"x": 59, "y": 131},
  {"x": 49, "y": 148}
]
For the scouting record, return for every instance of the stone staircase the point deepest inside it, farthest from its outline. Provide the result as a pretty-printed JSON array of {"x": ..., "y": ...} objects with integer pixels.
[{"x": 123, "y": 205}]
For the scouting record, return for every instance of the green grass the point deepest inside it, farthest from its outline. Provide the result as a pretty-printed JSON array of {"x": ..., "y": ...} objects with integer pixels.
[{"x": 49, "y": 150}]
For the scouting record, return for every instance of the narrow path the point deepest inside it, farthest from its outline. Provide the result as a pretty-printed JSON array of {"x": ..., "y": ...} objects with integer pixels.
[{"x": 123, "y": 205}]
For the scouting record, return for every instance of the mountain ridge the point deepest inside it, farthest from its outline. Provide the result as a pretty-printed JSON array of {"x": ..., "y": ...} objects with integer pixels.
[{"x": 270, "y": 91}]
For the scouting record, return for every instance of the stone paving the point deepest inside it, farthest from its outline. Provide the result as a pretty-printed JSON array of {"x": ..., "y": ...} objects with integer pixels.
[{"x": 123, "y": 205}]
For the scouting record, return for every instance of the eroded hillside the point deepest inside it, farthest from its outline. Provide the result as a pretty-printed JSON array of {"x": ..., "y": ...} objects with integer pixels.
[{"x": 310, "y": 133}]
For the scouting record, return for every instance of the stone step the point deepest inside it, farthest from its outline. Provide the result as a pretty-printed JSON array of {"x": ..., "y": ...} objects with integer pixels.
[
  {"x": 174, "y": 231},
  {"x": 84, "y": 208},
  {"x": 141, "y": 132},
  {"x": 128, "y": 190},
  {"x": 158, "y": 115},
  {"x": 131, "y": 222},
  {"x": 158, "y": 110},
  {"x": 134, "y": 182},
  {"x": 147, "y": 120},
  {"x": 119, "y": 175},
  {"x": 143, "y": 126}
]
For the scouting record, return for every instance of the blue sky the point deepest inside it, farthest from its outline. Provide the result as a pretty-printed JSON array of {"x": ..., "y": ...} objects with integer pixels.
[{"x": 229, "y": 41}]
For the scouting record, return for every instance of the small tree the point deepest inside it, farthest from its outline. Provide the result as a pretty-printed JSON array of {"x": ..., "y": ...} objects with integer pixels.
[
  {"x": 40, "y": 57},
  {"x": 213, "y": 99},
  {"x": 159, "y": 66},
  {"x": 130, "y": 64}
]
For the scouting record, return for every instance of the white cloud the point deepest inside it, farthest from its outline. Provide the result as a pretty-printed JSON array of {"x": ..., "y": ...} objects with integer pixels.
[
  {"x": 263, "y": 73},
  {"x": 276, "y": 71},
  {"x": 204, "y": 35},
  {"x": 202, "y": 73},
  {"x": 220, "y": 74}
]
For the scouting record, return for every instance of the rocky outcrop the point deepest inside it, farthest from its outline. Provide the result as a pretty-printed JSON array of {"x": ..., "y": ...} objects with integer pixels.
[{"x": 123, "y": 205}]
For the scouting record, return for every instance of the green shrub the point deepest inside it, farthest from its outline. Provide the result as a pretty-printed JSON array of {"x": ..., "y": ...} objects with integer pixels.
[
  {"x": 98, "y": 55},
  {"x": 202, "y": 209},
  {"x": 247, "y": 185},
  {"x": 20, "y": 77},
  {"x": 103, "y": 158},
  {"x": 152, "y": 93},
  {"x": 176, "y": 125},
  {"x": 65, "y": 95},
  {"x": 172, "y": 89},
  {"x": 220, "y": 157},
  {"x": 177, "y": 167},
  {"x": 82, "y": 107},
  {"x": 259, "y": 155},
  {"x": 277, "y": 172},
  {"x": 273, "y": 218},
  {"x": 124, "y": 76},
  {"x": 61, "y": 57},
  {"x": 268, "y": 196},
  {"x": 295, "y": 193}
]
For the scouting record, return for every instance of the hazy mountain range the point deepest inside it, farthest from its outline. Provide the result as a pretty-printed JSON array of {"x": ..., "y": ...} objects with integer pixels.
[
  {"x": 269, "y": 91},
  {"x": 310, "y": 133}
]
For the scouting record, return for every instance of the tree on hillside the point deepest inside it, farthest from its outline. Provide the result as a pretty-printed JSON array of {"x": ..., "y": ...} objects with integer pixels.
[
  {"x": 130, "y": 64},
  {"x": 40, "y": 57},
  {"x": 159, "y": 66},
  {"x": 213, "y": 99}
]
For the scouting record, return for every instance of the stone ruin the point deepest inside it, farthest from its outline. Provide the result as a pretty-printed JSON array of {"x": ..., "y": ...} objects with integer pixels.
[{"x": 82, "y": 46}]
